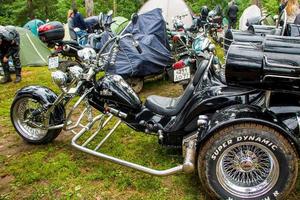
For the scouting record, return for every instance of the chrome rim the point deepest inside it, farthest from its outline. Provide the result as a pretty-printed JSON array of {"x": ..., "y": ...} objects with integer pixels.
[
  {"x": 27, "y": 124},
  {"x": 247, "y": 170}
]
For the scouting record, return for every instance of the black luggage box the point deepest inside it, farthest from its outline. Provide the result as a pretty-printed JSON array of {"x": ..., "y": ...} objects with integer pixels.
[
  {"x": 51, "y": 32},
  {"x": 274, "y": 65}
]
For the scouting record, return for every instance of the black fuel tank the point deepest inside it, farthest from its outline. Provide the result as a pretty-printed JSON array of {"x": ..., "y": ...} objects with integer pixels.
[{"x": 113, "y": 90}]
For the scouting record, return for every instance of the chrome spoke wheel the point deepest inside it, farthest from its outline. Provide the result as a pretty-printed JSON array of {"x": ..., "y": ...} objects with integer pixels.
[
  {"x": 28, "y": 124},
  {"x": 247, "y": 170}
]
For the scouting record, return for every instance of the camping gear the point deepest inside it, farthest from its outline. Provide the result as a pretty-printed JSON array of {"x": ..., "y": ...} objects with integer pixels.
[
  {"x": 170, "y": 9},
  {"x": 249, "y": 14},
  {"x": 243, "y": 143},
  {"x": 52, "y": 32},
  {"x": 34, "y": 25},
  {"x": 33, "y": 52}
]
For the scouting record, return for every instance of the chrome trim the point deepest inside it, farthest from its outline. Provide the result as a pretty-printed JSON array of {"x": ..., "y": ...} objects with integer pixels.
[
  {"x": 267, "y": 99},
  {"x": 276, "y": 76},
  {"x": 23, "y": 119},
  {"x": 141, "y": 168},
  {"x": 279, "y": 65},
  {"x": 189, "y": 143},
  {"x": 298, "y": 121}
]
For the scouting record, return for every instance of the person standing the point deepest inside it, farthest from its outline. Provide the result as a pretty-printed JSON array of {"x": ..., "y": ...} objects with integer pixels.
[
  {"x": 10, "y": 46},
  {"x": 78, "y": 20},
  {"x": 79, "y": 27},
  {"x": 292, "y": 10},
  {"x": 232, "y": 14},
  {"x": 71, "y": 25},
  {"x": 282, "y": 5}
]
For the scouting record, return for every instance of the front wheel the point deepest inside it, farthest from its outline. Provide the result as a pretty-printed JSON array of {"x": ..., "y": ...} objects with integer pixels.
[
  {"x": 248, "y": 161},
  {"x": 28, "y": 118}
]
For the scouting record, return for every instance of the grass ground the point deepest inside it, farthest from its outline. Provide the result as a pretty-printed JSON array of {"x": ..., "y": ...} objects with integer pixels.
[{"x": 58, "y": 171}]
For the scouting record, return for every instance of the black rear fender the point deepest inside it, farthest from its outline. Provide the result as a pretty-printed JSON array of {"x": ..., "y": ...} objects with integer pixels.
[{"x": 239, "y": 114}]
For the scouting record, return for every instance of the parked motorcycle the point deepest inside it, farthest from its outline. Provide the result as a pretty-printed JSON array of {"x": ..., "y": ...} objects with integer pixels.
[
  {"x": 159, "y": 69},
  {"x": 214, "y": 24},
  {"x": 241, "y": 138},
  {"x": 67, "y": 50}
]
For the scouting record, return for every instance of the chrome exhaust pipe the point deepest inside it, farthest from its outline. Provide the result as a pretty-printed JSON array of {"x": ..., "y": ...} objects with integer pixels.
[{"x": 190, "y": 157}]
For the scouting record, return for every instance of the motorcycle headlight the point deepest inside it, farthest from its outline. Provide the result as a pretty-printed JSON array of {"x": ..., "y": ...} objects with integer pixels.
[{"x": 59, "y": 78}]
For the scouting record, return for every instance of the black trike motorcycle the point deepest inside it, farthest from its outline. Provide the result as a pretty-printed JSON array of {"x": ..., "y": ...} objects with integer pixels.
[{"x": 241, "y": 137}]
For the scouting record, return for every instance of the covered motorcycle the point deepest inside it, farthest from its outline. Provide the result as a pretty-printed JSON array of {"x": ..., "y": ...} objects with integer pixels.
[{"x": 150, "y": 31}]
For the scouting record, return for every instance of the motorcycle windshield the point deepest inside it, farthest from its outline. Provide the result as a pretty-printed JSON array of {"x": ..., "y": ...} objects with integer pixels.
[{"x": 150, "y": 32}]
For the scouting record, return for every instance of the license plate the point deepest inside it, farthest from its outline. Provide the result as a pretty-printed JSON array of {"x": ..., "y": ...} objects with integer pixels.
[
  {"x": 53, "y": 62},
  {"x": 182, "y": 74}
]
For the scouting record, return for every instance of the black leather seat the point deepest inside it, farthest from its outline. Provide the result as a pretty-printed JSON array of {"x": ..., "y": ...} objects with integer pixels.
[{"x": 172, "y": 106}]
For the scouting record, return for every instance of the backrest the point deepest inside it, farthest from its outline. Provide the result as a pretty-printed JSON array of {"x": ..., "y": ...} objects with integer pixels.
[
  {"x": 191, "y": 87},
  {"x": 200, "y": 72}
]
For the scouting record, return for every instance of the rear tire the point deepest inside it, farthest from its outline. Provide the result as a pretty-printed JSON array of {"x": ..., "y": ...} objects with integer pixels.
[
  {"x": 248, "y": 161},
  {"x": 22, "y": 110}
]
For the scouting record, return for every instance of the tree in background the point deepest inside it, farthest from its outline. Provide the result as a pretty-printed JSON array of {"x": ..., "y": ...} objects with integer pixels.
[
  {"x": 30, "y": 9},
  {"x": 18, "y": 12}
]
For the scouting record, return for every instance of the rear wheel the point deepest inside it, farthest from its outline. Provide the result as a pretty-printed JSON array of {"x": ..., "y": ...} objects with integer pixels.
[
  {"x": 248, "y": 161},
  {"x": 28, "y": 118}
]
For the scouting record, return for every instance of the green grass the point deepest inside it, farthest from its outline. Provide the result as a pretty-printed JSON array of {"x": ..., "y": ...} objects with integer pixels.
[{"x": 58, "y": 171}]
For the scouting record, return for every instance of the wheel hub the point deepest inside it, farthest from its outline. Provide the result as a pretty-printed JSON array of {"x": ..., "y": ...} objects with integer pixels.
[
  {"x": 29, "y": 124},
  {"x": 247, "y": 165},
  {"x": 247, "y": 161}
]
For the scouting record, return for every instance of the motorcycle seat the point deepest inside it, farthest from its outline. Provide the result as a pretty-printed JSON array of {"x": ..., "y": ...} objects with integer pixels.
[{"x": 172, "y": 106}]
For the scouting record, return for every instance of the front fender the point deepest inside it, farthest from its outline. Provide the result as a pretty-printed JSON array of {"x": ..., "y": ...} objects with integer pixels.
[
  {"x": 239, "y": 114},
  {"x": 45, "y": 96}
]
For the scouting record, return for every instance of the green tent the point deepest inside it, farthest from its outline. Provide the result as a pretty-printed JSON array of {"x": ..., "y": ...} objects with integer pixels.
[
  {"x": 33, "y": 52},
  {"x": 119, "y": 25}
]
